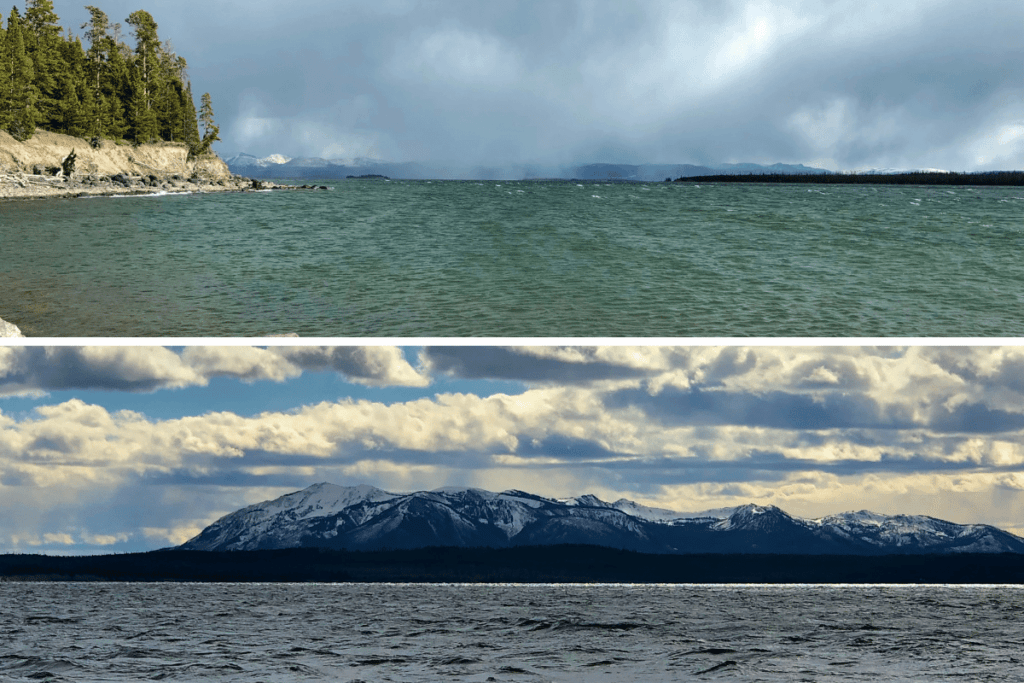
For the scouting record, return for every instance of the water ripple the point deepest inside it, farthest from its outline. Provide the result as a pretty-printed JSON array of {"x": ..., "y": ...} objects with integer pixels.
[{"x": 413, "y": 258}]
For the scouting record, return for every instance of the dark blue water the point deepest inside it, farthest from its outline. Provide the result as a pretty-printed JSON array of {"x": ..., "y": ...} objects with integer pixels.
[
  {"x": 492, "y": 632},
  {"x": 462, "y": 259}
]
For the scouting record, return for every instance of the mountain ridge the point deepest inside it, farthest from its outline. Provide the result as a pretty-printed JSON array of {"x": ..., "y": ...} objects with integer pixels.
[
  {"x": 280, "y": 166},
  {"x": 363, "y": 517}
]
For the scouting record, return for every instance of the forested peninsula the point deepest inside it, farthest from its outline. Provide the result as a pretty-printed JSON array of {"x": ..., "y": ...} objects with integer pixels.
[
  {"x": 91, "y": 114},
  {"x": 107, "y": 90}
]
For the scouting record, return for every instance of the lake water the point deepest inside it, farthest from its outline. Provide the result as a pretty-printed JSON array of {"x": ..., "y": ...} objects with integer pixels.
[
  {"x": 505, "y": 633},
  {"x": 532, "y": 258}
]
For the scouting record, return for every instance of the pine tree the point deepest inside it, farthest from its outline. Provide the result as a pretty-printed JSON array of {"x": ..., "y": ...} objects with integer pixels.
[
  {"x": 117, "y": 89},
  {"x": 210, "y": 128},
  {"x": 168, "y": 98},
  {"x": 77, "y": 105},
  {"x": 42, "y": 36},
  {"x": 145, "y": 77},
  {"x": 101, "y": 45},
  {"x": 5, "y": 77},
  {"x": 111, "y": 90},
  {"x": 20, "y": 91},
  {"x": 188, "y": 120},
  {"x": 141, "y": 116}
]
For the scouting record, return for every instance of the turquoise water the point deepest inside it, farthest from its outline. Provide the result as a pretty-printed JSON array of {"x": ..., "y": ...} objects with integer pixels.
[{"x": 462, "y": 259}]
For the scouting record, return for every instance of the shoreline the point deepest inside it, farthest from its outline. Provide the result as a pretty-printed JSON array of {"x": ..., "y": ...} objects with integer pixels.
[
  {"x": 20, "y": 185},
  {"x": 539, "y": 564},
  {"x": 982, "y": 179},
  {"x": 53, "y": 165}
]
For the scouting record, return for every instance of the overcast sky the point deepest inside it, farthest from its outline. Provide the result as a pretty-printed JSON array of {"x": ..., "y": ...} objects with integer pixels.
[
  {"x": 109, "y": 449},
  {"x": 841, "y": 84}
]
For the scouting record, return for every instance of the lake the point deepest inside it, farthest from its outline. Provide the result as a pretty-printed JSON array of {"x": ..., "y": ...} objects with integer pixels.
[{"x": 520, "y": 259}]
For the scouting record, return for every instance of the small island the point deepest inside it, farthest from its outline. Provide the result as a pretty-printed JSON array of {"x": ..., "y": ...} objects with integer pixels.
[{"x": 1010, "y": 178}]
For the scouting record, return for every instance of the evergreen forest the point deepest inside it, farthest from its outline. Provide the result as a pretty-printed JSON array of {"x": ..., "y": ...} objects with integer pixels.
[
  {"x": 102, "y": 89},
  {"x": 521, "y": 564}
]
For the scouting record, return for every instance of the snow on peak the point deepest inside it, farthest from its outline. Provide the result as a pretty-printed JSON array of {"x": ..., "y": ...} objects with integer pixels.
[
  {"x": 464, "y": 489},
  {"x": 588, "y": 501},
  {"x": 862, "y": 517},
  {"x": 244, "y": 159},
  {"x": 750, "y": 509},
  {"x": 325, "y": 499},
  {"x": 897, "y": 171},
  {"x": 648, "y": 513}
]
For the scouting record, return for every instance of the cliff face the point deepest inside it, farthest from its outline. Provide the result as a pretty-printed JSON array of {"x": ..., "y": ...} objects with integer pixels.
[{"x": 161, "y": 159}]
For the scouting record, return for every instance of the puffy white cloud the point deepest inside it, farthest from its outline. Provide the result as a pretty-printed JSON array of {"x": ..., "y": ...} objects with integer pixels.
[
  {"x": 370, "y": 365},
  {"x": 241, "y": 362}
]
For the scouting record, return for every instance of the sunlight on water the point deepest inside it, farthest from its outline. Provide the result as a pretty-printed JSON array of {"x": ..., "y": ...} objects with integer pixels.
[{"x": 413, "y": 258}]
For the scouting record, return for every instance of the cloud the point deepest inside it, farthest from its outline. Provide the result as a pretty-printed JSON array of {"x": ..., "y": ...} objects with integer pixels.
[
  {"x": 778, "y": 410},
  {"x": 931, "y": 83},
  {"x": 244, "y": 363},
  {"x": 31, "y": 369},
  {"x": 812, "y": 429},
  {"x": 531, "y": 364},
  {"x": 370, "y": 365}
]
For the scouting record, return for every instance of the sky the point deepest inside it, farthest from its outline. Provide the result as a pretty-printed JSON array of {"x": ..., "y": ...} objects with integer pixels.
[
  {"x": 111, "y": 449},
  {"x": 837, "y": 84}
]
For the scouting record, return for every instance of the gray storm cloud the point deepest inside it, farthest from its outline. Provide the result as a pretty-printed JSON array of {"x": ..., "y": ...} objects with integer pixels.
[
  {"x": 145, "y": 369},
  {"x": 844, "y": 84}
]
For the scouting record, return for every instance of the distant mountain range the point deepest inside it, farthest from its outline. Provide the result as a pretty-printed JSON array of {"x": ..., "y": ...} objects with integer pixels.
[
  {"x": 282, "y": 167},
  {"x": 366, "y": 518}
]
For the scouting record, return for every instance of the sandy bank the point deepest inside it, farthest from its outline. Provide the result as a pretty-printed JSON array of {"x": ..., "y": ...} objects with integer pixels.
[{"x": 32, "y": 169}]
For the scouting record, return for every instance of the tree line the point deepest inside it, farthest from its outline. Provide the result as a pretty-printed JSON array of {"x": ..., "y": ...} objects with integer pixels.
[
  {"x": 1012, "y": 178},
  {"x": 107, "y": 90},
  {"x": 522, "y": 564}
]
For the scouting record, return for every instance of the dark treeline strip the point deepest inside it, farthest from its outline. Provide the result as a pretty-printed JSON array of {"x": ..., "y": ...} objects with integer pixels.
[
  {"x": 49, "y": 80},
  {"x": 1014, "y": 178},
  {"x": 534, "y": 564}
]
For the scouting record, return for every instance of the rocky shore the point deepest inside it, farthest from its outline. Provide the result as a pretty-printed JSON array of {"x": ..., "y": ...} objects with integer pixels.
[
  {"x": 30, "y": 186},
  {"x": 53, "y": 165}
]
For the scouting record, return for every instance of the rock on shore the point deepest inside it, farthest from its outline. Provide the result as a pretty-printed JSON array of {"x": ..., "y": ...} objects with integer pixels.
[
  {"x": 8, "y": 330},
  {"x": 21, "y": 185}
]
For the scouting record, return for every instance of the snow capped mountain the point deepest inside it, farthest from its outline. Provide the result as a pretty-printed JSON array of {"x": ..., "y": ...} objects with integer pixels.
[
  {"x": 247, "y": 161},
  {"x": 366, "y": 518},
  {"x": 277, "y": 165},
  {"x": 895, "y": 171},
  {"x": 916, "y": 531}
]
